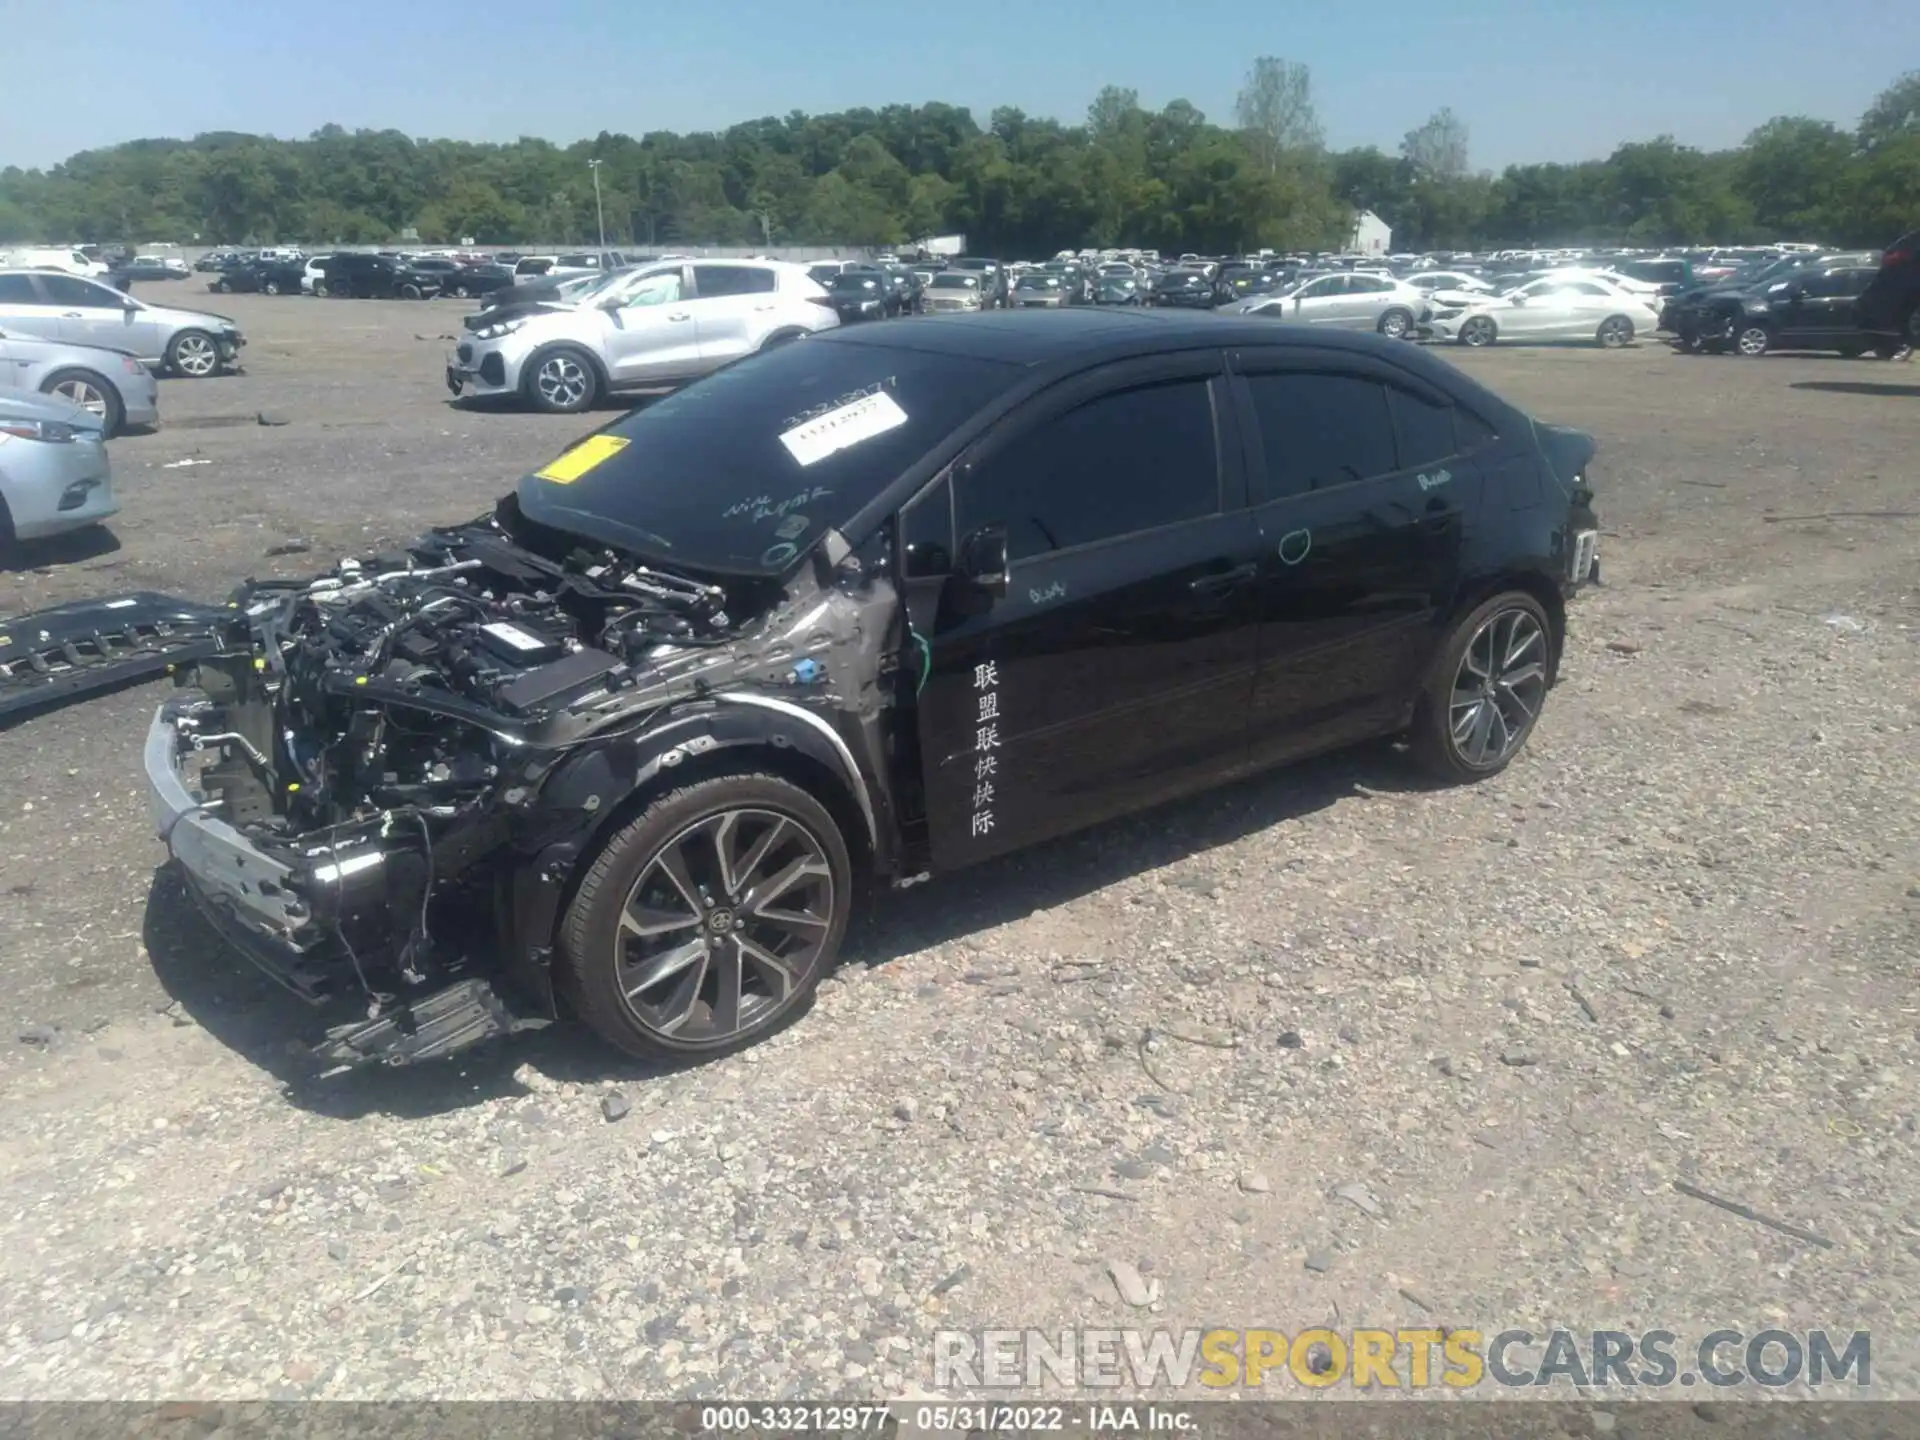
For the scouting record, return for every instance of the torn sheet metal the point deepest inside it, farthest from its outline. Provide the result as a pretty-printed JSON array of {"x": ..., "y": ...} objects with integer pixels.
[{"x": 68, "y": 652}]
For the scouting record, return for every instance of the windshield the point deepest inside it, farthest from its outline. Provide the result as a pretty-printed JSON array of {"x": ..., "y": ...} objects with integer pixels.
[
  {"x": 743, "y": 471},
  {"x": 956, "y": 282},
  {"x": 855, "y": 280},
  {"x": 1037, "y": 282}
]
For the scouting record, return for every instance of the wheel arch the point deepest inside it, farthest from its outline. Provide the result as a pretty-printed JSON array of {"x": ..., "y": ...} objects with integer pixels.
[
  {"x": 1533, "y": 583},
  {"x": 539, "y": 354},
  {"x": 609, "y": 785}
]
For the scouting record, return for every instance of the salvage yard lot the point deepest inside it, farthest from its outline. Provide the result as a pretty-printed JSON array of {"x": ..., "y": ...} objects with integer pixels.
[{"x": 1675, "y": 942}]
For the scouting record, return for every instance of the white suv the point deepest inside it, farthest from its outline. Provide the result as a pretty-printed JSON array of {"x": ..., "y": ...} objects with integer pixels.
[{"x": 636, "y": 329}]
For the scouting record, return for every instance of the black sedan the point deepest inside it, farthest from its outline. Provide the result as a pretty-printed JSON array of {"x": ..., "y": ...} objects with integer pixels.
[
  {"x": 268, "y": 277},
  {"x": 860, "y": 295},
  {"x": 1185, "y": 289},
  {"x": 1054, "y": 570}
]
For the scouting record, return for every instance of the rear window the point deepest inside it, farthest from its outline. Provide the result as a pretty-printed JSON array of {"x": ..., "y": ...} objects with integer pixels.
[{"x": 743, "y": 471}]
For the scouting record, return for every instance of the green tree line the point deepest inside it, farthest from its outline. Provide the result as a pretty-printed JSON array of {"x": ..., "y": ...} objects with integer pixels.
[{"x": 1169, "y": 179}]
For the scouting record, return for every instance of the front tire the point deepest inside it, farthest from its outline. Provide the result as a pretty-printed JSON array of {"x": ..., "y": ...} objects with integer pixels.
[
  {"x": 561, "y": 381},
  {"x": 707, "y": 922},
  {"x": 92, "y": 393},
  {"x": 1485, "y": 690},
  {"x": 1615, "y": 332},
  {"x": 1478, "y": 332},
  {"x": 411, "y": 292},
  {"x": 193, "y": 354},
  {"x": 271, "y": 287},
  {"x": 1752, "y": 341}
]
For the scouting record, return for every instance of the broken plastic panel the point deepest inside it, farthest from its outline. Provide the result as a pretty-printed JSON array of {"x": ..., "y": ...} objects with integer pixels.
[{"x": 69, "y": 652}]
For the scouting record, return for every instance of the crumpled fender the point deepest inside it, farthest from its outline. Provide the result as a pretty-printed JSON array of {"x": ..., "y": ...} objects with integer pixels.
[{"x": 69, "y": 652}]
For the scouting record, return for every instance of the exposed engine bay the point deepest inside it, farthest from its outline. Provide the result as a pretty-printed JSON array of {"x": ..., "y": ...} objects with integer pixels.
[{"x": 380, "y": 781}]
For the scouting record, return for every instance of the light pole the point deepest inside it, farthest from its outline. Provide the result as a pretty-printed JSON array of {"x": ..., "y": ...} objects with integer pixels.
[{"x": 598, "y": 209}]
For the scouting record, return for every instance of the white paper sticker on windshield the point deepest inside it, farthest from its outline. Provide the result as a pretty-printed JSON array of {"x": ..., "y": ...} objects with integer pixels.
[{"x": 870, "y": 415}]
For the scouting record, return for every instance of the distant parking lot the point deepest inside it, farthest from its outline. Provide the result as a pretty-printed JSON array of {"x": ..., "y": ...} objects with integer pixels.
[{"x": 1327, "y": 1049}]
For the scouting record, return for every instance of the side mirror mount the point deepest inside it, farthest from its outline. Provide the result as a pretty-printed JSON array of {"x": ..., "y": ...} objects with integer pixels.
[{"x": 983, "y": 559}]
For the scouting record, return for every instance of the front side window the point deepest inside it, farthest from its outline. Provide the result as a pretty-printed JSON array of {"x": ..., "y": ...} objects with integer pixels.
[
  {"x": 1321, "y": 430},
  {"x": 1328, "y": 285},
  {"x": 1130, "y": 461},
  {"x": 18, "y": 290},
  {"x": 661, "y": 288}
]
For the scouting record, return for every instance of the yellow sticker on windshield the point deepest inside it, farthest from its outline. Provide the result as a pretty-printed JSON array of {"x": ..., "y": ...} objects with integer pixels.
[{"x": 593, "y": 451}]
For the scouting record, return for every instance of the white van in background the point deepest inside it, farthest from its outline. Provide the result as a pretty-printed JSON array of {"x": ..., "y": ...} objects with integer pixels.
[{"x": 74, "y": 262}]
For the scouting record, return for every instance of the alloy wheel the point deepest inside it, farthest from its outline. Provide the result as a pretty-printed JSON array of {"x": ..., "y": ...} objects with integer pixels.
[
  {"x": 86, "y": 396},
  {"x": 1477, "y": 331},
  {"x": 1615, "y": 332},
  {"x": 1752, "y": 341},
  {"x": 725, "y": 921},
  {"x": 1394, "y": 326},
  {"x": 1498, "y": 689},
  {"x": 563, "y": 382},
  {"x": 195, "y": 355}
]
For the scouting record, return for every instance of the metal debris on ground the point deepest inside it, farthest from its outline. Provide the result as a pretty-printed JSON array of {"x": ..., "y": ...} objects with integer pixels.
[{"x": 1747, "y": 1212}]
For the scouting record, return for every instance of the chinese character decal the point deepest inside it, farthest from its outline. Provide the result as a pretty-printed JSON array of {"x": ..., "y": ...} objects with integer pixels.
[{"x": 986, "y": 740}]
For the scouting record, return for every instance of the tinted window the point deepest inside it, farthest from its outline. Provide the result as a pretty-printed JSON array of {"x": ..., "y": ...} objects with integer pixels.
[
  {"x": 1424, "y": 431},
  {"x": 1127, "y": 462},
  {"x": 704, "y": 478},
  {"x": 1471, "y": 431},
  {"x": 1321, "y": 430},
  {"x": 1330, "y": 285},
  {"x": 18, "y": 290},
  {"x": 1368, "y": 285},
  {"x": 712, "y": 280}
]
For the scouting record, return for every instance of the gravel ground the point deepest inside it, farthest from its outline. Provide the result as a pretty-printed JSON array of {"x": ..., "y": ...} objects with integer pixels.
[{"x": 1328, "y": 1049}]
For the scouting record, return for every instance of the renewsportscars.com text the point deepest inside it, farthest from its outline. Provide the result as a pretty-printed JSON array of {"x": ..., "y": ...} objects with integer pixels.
[{"x": 1411, "y": 1359}]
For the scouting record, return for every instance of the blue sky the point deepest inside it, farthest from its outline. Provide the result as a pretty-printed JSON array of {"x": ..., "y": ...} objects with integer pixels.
[{"x": 1534, "y": 79}]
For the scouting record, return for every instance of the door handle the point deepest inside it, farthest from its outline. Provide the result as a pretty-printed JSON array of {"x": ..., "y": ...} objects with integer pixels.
[
  {"x": 682, "y": 315},
  {"x": 1224, "y": 580},
  {"x": 72, "y": 315}
]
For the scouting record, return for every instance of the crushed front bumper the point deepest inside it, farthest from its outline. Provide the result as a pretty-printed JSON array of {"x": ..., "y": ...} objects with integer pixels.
[{"x": 250, "y": 895}]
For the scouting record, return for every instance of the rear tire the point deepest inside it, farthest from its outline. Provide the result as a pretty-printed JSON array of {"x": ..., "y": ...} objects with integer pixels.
[
  {"x": 1395, "y": 323},
  {"x": 411, "y": 292},
  {"x": 705, "y": 923},
  {"x": 1486, "y": 689},
  {"x": 85, "y": 387},
  {"x": 271, "y": 287}
]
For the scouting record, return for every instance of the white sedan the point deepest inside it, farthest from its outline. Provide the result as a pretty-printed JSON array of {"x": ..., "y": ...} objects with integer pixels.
[{"x": 1551, "y": 308}]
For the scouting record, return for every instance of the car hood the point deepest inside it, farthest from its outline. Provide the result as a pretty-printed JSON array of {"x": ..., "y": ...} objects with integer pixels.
[
  {"x": 173, "y": 315},
  {"x": 525, "y": 310},
  {"x": 26, "y": 405}
]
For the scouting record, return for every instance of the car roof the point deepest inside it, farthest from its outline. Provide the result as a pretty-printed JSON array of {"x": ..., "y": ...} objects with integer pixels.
[{"x": 1102, "y": 336}]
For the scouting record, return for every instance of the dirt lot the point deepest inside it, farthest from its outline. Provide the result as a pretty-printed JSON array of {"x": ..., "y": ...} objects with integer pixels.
[{"x": 1676, "y": 942}]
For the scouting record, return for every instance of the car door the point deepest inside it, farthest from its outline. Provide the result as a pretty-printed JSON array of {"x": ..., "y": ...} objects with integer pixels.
[
  {"x": 1321, "y": 302},
  {"x": 1821, "y": 313},
  {"x": 1116, "y": 668},
  {"x": 1532, "y": 315},
  {"x": 648, "y": 330},
  {"x": 90, "y": 313},
  {"x": 25, "y": 309},
  {"x": 1366, "y": 300},
  {"x": 1362, "y": 498},
  {"x": 730, "y": 307}
]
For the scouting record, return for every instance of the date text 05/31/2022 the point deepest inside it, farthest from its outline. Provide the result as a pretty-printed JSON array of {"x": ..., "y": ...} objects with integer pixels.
[{"x": 958, "y": 1419}]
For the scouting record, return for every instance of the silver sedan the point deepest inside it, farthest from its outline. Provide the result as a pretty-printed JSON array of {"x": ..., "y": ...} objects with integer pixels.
[
  {"x": 54, "y": 474},
  {"x": 110, "y": 384}
]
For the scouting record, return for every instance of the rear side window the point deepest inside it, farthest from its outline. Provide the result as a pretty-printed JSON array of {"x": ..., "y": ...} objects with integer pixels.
[
  {"x": 711, "y": 281},
  {"x": 1131, "y": 461},
  {"x": 1320, "y": 430},
  {"x": 1424, "y": 432},
  {"x": 18, "y": 290}
]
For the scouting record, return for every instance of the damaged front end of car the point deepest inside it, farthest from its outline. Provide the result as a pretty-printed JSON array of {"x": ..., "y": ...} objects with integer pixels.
[{"x": 380, "y": 783}]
